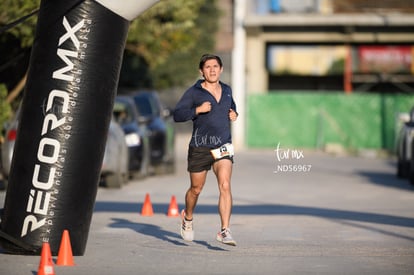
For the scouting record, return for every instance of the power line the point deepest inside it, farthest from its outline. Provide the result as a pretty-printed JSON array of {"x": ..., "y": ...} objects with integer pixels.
[{"x": 18, "y": 21}]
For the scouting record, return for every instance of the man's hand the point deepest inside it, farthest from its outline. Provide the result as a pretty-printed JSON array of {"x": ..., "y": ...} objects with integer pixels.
[
  {"x": 232, "y": 115},
  {"x": 204, "y": 108}
]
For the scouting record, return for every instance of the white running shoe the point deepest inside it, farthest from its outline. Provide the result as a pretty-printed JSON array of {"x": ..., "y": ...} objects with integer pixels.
[
  {"x": 225, "y": 237},
  {"x": 187, "y": 232}
]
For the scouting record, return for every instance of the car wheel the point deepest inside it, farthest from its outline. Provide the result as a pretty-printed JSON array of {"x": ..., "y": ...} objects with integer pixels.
[
  {"x": 403, "y": 166},
  {"x": 411, "y": 164},
  {"x": 402, "y": 169}
]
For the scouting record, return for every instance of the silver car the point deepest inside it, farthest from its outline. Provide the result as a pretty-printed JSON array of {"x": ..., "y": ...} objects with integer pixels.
[
  {"x": 8, "y": 146},
  {"x": 114, "y": 170}
]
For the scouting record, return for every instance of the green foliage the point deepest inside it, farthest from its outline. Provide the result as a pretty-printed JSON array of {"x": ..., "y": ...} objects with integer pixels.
[
  {"x": 5, "y": 109},
  {"x": 171, "y": 37},
  {"x": 16, "y": 41},
  {"x": 337, "y": 67},
  {"x": 12, "y": 10},
  {"x": 166, "y": 27},
  {"x": 164, "y": 43}
]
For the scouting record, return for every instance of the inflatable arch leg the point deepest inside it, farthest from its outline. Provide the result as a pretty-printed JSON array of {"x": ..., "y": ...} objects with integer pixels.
[{"x": 66, "y": 110}]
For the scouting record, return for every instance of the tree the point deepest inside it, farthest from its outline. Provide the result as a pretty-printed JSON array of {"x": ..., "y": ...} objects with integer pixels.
[
  {"x": 162, "y": 47},
  {"x": 13, "y": 10},
  {"x": 166, "y": 41},
  {"x": 16, "y": 38},
  {"x": 5, "y": 111}
]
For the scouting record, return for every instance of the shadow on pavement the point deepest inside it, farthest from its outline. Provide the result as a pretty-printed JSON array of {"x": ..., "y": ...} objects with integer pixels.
[
  {"x": 148, "y": 229},
  {"x": 373, "y": 229},
  {"x": 350, "y": 218},
  {"x": 268, "y": 209},
  {"x": 387, "y": 180},
  {"x": 157, "y": 232}
]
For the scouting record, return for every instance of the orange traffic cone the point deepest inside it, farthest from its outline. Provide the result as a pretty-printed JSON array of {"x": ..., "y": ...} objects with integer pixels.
[
  {"x": 147, "y": 207},
  {"x": 46, "y": 261},
  {"x": 65, "y": 256},
  {"x": 173, "y": 209}
]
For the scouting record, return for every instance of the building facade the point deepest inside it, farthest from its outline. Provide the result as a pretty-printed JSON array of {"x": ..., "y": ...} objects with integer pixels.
[
  {"x": 286, "y": 54},
  {"x": 351, "y": 45}
]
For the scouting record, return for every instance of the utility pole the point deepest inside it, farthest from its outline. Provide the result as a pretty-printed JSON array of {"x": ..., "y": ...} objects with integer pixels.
[{"x": 238, "y": 74}]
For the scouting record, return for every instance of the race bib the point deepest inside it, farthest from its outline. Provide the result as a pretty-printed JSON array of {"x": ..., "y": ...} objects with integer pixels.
[{"x": 226, "y": 150}]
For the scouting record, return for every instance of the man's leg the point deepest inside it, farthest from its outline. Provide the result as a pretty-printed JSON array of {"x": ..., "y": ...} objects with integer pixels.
[
  {"x": 223, "y": 170},
  {"x": 198, "y": 179}
]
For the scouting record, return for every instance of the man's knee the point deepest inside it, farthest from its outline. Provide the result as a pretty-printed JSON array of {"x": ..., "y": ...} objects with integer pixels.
[
  {"x": 224, "y": 186},
  {"x": 196, "y": 190}
]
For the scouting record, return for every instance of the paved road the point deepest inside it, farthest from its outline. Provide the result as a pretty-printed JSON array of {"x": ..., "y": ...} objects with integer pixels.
[{"x": 347, "y": 215}]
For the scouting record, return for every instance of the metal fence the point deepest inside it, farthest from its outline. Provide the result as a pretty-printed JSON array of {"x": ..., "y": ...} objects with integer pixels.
[{"x": 314, "y": 120}]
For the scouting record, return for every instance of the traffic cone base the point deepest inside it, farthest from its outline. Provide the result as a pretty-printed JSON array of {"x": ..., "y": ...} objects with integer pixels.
[
  {"x": 173, "y": 208},
  {"x": 46, "y": 261},
  {"x": 147, "y": 207},
  {"x": 65, "y": 256}
]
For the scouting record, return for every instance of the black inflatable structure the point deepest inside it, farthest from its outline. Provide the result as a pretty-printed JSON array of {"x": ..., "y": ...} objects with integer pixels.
[{"x": 66, "y": 110}]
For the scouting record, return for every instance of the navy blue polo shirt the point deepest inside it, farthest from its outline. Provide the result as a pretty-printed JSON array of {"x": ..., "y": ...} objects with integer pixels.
[{"x": 210, "y": 129}]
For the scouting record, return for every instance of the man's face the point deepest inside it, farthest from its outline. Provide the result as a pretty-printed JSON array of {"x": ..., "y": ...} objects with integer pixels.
[{"x": 211, "y": 70}]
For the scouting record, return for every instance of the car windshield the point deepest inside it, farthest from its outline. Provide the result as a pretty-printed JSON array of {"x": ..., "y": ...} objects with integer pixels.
[{"x": 146, "y": 105}]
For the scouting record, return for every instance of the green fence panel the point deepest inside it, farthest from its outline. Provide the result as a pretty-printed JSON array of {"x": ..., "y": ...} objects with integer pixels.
[
  {"x": 312, "y": 120},
  {"x": 393, "y": 105}
]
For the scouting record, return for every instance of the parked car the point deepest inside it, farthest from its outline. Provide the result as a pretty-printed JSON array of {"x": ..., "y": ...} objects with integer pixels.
[
  {"x": 114, "y": 168},
  {"x": 136, "y": 135},
  {"x": 115, "y": 163},
  {"x": 411, "y": 169},
  {"x": 7, "y": 147},
  {"x": 405, "y": 161},
  {"x": 159, "y": 122}
]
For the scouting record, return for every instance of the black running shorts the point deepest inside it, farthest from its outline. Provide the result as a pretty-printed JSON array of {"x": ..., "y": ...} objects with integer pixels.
[{"x": 200, "y": 159}]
